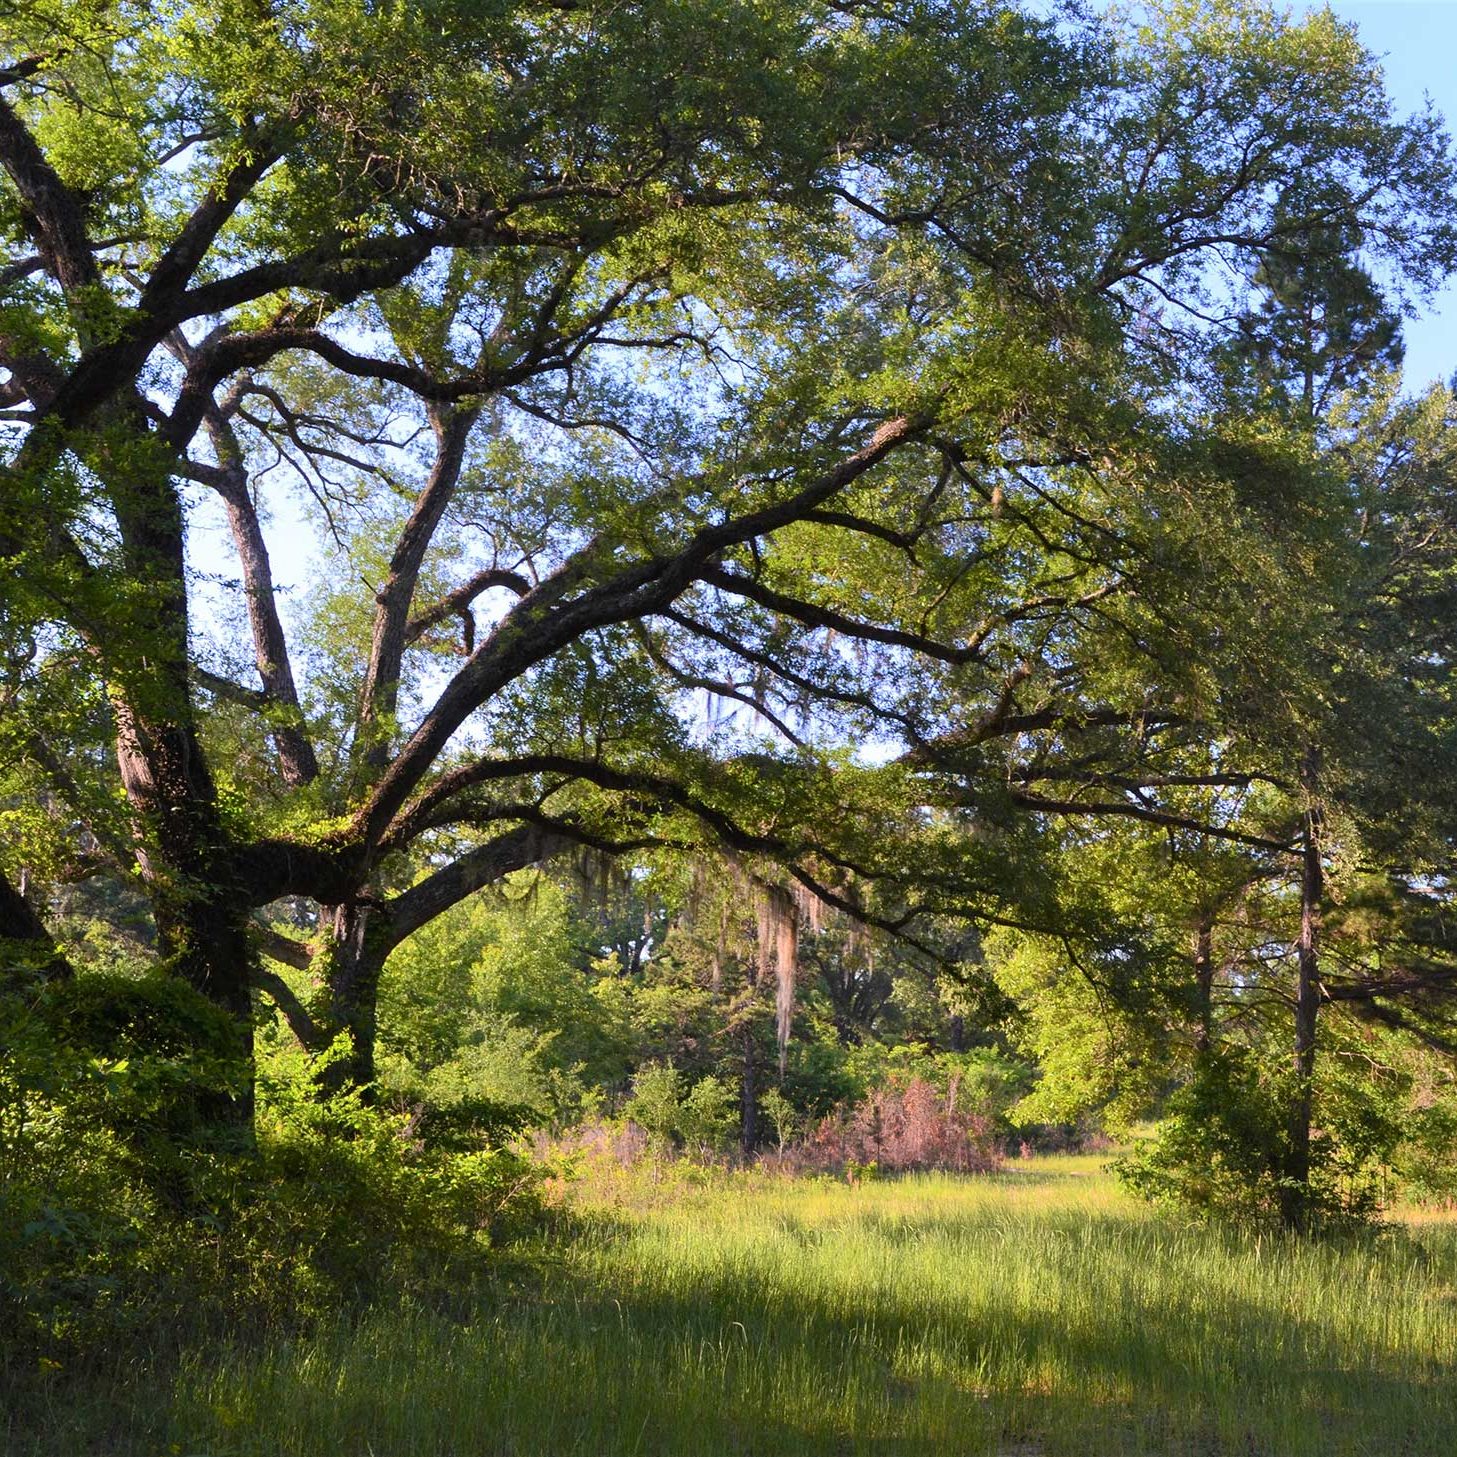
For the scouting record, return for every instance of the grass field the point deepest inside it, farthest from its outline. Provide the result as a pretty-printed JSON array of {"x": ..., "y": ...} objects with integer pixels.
[{"x": 1035, "y": 1312}]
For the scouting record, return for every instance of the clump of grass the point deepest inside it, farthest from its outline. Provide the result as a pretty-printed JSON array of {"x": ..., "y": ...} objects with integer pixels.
[{"x": 1035, "y": 1312}]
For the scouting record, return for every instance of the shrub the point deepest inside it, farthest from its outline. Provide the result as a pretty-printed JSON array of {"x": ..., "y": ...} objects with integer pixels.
[
  {"x": 657, "y": 1090},
  {"x": 121, "y": 1224},
  {"x": 900, "y": 1127},
  {"x": 701, "y": 1118},
  {"x": 708, "y": 1116},
  {"x": 782, "y": 1116},
  {"x": 1222, "y": 1149}
]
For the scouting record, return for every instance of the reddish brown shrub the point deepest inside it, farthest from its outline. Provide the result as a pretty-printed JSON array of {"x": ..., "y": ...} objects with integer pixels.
[{"x": 899, "y": 1128}]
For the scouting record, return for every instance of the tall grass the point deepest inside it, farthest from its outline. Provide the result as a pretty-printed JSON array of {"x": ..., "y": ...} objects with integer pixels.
[{"x": 1035, "y": 1312}]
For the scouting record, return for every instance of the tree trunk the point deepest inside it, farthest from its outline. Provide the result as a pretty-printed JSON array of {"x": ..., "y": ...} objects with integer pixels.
[
  {"x": 363, "y": 931},
  {"x": 1204, "y": 983},
  {"x": 356, "y": 958},
  {"x": 183, "y": 848},
  {"x": 749, "y": 1096},
  {"x": 200, "y": 910},
  {"x": 956, "y": 1032},
  {"x": 214, "y": 953},
  {"x": 1295, "y": 1200},
  {"x": 27, "y": 950}
]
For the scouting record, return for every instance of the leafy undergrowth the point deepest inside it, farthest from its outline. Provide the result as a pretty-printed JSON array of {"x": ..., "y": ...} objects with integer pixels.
[{"x": 1038, "y": 1311}]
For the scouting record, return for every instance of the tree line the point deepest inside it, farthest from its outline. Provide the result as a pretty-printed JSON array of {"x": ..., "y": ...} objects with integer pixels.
[{"x": 937, "y": 469}]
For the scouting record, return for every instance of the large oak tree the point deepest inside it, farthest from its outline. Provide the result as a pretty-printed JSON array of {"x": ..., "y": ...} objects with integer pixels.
[{"x": 856, "y": 364}]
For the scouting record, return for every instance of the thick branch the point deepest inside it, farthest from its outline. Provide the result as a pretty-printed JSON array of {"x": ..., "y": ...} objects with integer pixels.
[
  {"x": 174, "y": 269},
  {"x": 458, "y": 603},
  {"x": 537, "y": 628},
  {"x": 268, "y": 870},
  {"x": 300, "y": 1023},
  {"x": 297, "y": 760},
  {"x": 56, "y": 217},
  {"x": 422, "y": 903},
  {"x": 380, "y": 692},
  {"x": 229, "y": 691},
  {"x": 26, "y": 67},
  {"x": 285, "y": 949}
]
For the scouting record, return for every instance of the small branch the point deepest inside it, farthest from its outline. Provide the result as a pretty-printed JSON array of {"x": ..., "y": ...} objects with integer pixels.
[
  {"x": 1073, "y": 807},
  {"x": 813, "y": 615},
  {"x": 458, "y": 602}
]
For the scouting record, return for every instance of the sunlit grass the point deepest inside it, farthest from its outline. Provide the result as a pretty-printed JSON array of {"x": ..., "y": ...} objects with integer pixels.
[{"x": 1037, "y": 1312}]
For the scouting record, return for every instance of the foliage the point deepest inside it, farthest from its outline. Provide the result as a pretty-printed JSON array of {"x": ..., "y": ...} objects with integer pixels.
[
  {"x": 656, "y": 1101},
  {"x": 708, "y": 1115},
  {"x": 1222, "y": 1151},
  {"x": 782, "y": 1116},
  {"x": 631, "y": 360},
  {"x": 490, "y": 1004},
  {"x": 121, "y": 1222},
  {"x": 701, "y": 1117}
]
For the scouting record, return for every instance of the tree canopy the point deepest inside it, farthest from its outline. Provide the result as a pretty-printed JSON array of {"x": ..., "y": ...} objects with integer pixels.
[{"x": 883, "y": 445}]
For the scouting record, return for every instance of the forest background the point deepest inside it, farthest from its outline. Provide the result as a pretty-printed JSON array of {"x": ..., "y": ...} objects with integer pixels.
[{"x": 886, "y": 601}]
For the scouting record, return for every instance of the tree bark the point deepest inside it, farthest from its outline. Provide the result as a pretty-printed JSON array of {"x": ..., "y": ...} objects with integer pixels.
[
  {"x": 200, "y": 910},
  {"x": 380, "y": 693},
  {"x": 355, "y": 962},
  {"x": 749, "y": 1096},
  {"x": 27, "y": 948},
  {"x": 1295, "y": 1199}
]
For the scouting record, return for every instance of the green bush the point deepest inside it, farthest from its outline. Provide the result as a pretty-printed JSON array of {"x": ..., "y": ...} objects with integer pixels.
[
  {"x": 702, "y": 1118},
  {"x": 657, "y": 1091},
  {"x": 343, "y": 1201},
  {"x": 1222, "y": 1149},
  {"x": 783, "y": 1117},
  {"x": 709, "y": 1116},
  {"x": 1427, "y": 1169},
  {"x": 122, "y": 1222}
]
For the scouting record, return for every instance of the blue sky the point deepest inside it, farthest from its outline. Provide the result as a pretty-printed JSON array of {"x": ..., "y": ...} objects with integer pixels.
[{"x": 1417, "y": 42}]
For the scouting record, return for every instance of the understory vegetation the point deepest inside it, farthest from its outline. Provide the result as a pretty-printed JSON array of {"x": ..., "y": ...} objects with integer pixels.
[
  {"x": 126, "y": 1222},
  {"x": 553, "y": 1169}
]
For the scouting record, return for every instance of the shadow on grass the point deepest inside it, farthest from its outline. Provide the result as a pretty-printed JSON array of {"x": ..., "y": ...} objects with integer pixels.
[
  {"x": 736, "y": 1361},
  {"x": 739, "y": 1357}
]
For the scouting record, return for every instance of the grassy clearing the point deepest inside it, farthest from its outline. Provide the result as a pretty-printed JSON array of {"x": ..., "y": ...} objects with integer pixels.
[{"x": 1037, "y": 1312}]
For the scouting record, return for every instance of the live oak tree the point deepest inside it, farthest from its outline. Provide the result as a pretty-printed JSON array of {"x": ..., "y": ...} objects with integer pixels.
[
  {"x": 858, "y": 365},
  {"x": 1349, "y": 728},
  {"x": 1258, "y": 914}
]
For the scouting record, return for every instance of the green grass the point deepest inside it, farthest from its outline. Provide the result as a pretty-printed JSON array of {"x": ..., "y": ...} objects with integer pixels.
[{"x": 1037, "y": 1312}]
